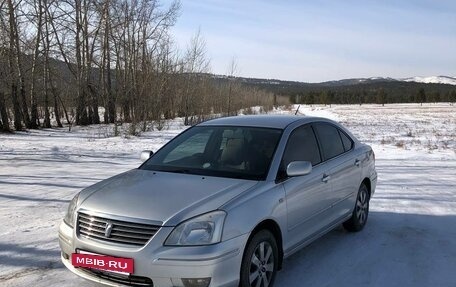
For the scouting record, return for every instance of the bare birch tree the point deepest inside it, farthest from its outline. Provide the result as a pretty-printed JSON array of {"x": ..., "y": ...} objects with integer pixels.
[
  {"x": 71, "y": 57},
  {"x": 196, "y": 63}
]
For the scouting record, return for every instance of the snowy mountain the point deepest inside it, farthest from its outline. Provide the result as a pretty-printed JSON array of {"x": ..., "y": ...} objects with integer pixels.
[
  {"x": 433, "y": 79},
  {"x": 425, "y": 80}
]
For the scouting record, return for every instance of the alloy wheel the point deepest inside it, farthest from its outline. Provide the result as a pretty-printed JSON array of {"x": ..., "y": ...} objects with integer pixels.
[
  {"x": 362, "y": 206},
  {"x": 261, "y": 265}
]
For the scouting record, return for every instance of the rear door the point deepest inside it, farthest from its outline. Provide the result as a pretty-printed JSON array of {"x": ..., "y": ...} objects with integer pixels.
[{"x": 343, "y": 167}]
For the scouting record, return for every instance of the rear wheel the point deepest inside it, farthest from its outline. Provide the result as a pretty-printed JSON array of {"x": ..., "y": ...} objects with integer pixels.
[
  {"x": 260, "y": 261},
  {"x": 359, "y": 216}
]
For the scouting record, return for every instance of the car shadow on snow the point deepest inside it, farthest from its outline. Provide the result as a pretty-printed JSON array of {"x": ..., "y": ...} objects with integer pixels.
[
  {"x": 78, "y": 159},
  {"x": 394, "y": 249},
  {"x": 12, "y": 254},
  {"x": 23, "y": 198},
  {"x": 75, "y": 177},
  {"x": 49, "y": 184}
]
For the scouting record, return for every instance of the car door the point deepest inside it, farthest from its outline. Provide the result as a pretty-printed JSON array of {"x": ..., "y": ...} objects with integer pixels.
[
  {"x": 343, "y": 167},
  {"x": 308, "y": 196}
]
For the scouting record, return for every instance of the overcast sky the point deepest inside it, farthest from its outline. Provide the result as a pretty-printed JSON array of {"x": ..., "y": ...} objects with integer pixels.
[{"x": 315, "y": 41}]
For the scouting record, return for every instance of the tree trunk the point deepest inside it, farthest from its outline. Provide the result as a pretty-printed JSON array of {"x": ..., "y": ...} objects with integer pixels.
[
  {"x": 47, "y": 116},
  {"x": 56, "y": 105},
  {"x": 46, "y": 73},
  {"x": 34, "y": 121},
  {"x": 3, "y": 114},
  {"x": 69, "y": 122},
  {"x": 96, "y": 115},
  {"x": 111, "y": 109},
  {"x": 25, "y": 111},
  {"x": 13, "y": 69},
  {"x": 14, "y": 39},
  {"x": 81, "y": 112},
  {"x": 16, "y": 108},
  {"x": 229, "y": 99}
]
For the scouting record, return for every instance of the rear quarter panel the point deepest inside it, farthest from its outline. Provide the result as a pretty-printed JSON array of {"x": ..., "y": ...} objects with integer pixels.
[{"x": 368, "y": 165}]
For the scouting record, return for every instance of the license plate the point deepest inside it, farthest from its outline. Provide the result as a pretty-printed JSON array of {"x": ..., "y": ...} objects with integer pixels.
[{"x": 102, "y": 262}]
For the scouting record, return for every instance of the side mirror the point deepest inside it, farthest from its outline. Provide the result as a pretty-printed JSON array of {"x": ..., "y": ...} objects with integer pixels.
[
  {"x": 298, "y": 168},
  {"x": 146, "y": 154}
]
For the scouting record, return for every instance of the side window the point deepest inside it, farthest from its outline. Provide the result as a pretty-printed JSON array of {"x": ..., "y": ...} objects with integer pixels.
[
  {"x": 330, "y": 141},
  {"x": 348, "y": 143},
  {"x": 302, "y": 146}
]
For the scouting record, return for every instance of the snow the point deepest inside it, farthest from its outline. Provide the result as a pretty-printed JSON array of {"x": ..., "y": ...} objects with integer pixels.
[
  {"x": 432, "y": 79},
  {"x": 408, "y": 241}
]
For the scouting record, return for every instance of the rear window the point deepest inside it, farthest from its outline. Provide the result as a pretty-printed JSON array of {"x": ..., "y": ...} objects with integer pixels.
[
  {"x": 347, "y": 142},
  {"x": 330, "y": 140}
]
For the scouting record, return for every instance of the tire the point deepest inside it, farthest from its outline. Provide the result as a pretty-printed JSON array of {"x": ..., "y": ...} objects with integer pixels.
[
  {"x": 361, "y": 211},
  {"x": 260, "y": 261}
]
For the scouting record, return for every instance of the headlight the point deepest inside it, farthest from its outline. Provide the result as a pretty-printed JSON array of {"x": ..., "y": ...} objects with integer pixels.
[
  {"x": 69, "y": 217},
  {"x": 201, "y": 230}
]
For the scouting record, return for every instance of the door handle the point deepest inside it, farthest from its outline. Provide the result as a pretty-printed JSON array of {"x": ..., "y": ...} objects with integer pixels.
[
  {"x": 357, "y": 162},
  {"x": 326, "y": 178}
]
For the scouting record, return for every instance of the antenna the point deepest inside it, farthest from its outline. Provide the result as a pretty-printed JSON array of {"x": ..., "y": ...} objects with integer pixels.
[{"x": 297, "y": 110}]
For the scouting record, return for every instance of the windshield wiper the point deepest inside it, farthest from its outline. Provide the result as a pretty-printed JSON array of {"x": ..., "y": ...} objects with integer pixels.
[{"x": 178, "y": 170}]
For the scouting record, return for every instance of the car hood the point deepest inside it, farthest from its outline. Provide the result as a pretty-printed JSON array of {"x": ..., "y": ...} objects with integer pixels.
[{"x": 166, "y": 197}]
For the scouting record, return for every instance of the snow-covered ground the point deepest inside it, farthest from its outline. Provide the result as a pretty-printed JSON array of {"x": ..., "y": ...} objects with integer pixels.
[{"x": 409, "y": 239}]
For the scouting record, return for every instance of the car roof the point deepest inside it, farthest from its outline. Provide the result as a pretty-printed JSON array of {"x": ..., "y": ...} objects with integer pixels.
[{"x": 265, "y": 121}]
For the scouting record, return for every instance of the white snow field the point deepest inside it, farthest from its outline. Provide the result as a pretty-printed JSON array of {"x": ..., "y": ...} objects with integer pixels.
[{"x": 410, "y": 238}]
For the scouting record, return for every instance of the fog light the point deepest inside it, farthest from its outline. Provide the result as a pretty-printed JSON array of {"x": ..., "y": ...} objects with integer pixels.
[{"x": 196, "y": 282}]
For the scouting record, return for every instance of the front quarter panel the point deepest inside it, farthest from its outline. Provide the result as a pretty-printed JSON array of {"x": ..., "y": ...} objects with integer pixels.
[{"x": 246, "y": 212}]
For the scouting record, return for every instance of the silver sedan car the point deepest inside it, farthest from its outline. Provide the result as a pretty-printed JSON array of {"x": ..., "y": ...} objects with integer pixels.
[{"x": 222, "y": 204}]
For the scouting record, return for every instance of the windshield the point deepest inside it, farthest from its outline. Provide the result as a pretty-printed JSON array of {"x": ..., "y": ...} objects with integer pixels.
[{"x": 224, "y": 151}]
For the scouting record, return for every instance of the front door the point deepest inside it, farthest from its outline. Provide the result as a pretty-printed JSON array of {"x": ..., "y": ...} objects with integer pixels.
[{"x": 308, "y": 197}]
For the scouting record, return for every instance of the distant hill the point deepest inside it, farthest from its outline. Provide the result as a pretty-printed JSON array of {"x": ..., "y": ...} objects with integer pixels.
[
  {"x": 446, "y": 80},
  {"x": 359, "y": 90}
]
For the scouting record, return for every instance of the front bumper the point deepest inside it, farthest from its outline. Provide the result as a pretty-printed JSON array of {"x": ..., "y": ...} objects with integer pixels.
[{"x": 165, "y": 266}]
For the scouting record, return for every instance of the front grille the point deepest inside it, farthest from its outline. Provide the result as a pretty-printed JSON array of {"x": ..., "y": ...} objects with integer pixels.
[
  {"x": 122, "y": 232},
  {"x": 129, "y": 280}
]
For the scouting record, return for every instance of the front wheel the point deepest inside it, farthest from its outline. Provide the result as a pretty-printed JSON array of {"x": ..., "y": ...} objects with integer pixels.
[
  {"x": 359, "y": 216},
  {"x": 260, "y": 261}
]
